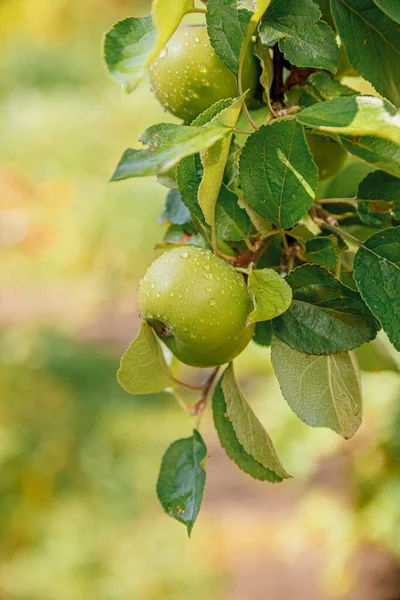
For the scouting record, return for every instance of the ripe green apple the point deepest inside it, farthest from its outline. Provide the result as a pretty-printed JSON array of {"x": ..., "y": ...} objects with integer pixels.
[
  {"x": 329, "y": 156},
  {"x": 198, "y": 305},
  {"x": 188, "y": 77}
]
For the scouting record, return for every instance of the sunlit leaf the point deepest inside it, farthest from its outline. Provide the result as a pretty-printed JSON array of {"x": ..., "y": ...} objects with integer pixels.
[
  {"x": 270, "y": 293},
  {"x": 166, "y": 18}
]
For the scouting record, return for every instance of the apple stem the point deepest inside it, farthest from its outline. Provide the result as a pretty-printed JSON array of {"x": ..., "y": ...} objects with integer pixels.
[{"x": 198, "y": 409}]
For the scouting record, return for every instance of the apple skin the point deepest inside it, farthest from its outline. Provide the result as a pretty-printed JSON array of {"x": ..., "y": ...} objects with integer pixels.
[
  {"x": 198, "y": 305},
  {"x": 329, "y": 156},
  {"x": 187, "y": 77}
]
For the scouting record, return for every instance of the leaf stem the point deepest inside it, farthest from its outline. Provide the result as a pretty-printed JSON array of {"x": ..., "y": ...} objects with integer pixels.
[
  {"x": 198, "y": 409},
  {"x": 351, "y": 201}
]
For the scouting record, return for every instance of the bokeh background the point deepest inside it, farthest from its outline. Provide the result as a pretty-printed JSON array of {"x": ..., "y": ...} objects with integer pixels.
[{"x": 79, "y": 457}]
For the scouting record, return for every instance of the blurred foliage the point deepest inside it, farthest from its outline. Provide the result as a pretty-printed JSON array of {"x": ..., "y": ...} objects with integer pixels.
[{"x": 79, "y": 457}]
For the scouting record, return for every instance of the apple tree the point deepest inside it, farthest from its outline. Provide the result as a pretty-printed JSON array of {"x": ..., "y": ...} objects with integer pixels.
[{"x": 256, "y": 247}]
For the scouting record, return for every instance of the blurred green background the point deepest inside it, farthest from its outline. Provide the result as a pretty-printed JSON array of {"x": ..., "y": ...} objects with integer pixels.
[{"x": 79, "y": 457}]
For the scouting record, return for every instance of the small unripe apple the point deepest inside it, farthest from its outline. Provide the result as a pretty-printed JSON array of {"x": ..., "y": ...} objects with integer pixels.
[
  {"x": 198, "y": 305},
  {"x": 188, "y": 77},
  {"x": 329, "y": 156}
]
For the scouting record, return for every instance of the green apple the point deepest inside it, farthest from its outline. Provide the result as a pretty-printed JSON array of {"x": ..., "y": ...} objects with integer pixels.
[
  {"x": 198, "y": 305},
  {"x": 188, "y": 77},
  {"x": 329, "y": 156}
]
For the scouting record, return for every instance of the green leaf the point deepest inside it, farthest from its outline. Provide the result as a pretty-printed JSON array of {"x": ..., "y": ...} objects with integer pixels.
[
  {"x": 263, "y": 53},
  {"x": 182, "y": 478},
  {"x": 175, "y": 211},
  {"x": 277, "y": 172},
  {"x": 213, "y": 159},
  {"x": 378, "y": 199},
  {"x": 372, "y": 43},
  {"x": 355, "y": 116},
  {"x": 231, "y": 445},
  {"x": 377, "y": 275},
  {"x": 325, "y": 7},
  {"x": 391, "y": 8},
  {"x": 143, "y": 369},
  {"x": 232, "y": 223},
  {"x": 384, "y": 154},
  {"x": 303, "y": 38},
  {"x": 166, "y": 17},
  {"x": 323, "y": 391},
  {"x": 227, "y": 25},
  {"x": 249, "y": 431},
  {"x": 322, "y": 251},
  {"x": 375, "y": 356},
  {"x": 263, "y": 334},
  {"x": 270, "y": 293},
  {"x": 325, "y": 316},
  {"x": 167, "y": 145},
  {"x": 127, "y": 47},
  {"x": 182, "y": 235}
]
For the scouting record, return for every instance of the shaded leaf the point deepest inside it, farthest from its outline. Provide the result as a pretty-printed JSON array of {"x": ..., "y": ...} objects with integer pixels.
[
  {"x": 182, "y": 478},
  {"x": 321, "y": 86},
  {"x": 231, "y": 445},
  {"x": 377, "y": 274},
  {"x": 166, "y": 18},
  {"x": 355, "y": 116},
  {"x": 167, "y": 145},
  {"x": 270, "y": 293},
  {"x": 378, "y": 199},
  {"x": 127, "y": 47},
  {"x": 322, "y": 251},
  {"x": 325, "y": 316},
  {"x": 391, "y": 8},
  {"x": 175, "y": 211},
  {"x": 249, "y": 431},
  {"x": 323, "y": 391},
  {"x": 303, "y": 38},
  {"x": 277, "y": 172},
  {"x": 372, "y": 43},
  {"x": 143, "y": 369},
  {"x": 263, "y": 334},
  {"x": 232, "y": 223}
]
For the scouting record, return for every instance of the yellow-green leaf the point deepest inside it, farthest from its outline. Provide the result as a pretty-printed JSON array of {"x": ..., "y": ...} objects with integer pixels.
[
  {"x": 270, "y": 293},
  {"x": 143, "y": 369},
  {"x": 214, "y": 160},
  {"x": 166, "y": 17}
]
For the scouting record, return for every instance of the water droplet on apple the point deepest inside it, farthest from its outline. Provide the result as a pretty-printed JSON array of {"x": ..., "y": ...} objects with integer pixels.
[
  {"x": 208, "y": 288},
  {"x": 208, "y": 275},
  {"x": 211, "y": 302},
  {"x": 184, "y": 254}
]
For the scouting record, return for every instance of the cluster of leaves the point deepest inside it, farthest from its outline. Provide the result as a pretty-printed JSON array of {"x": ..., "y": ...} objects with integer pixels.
[{"x": 254, "y": 197}]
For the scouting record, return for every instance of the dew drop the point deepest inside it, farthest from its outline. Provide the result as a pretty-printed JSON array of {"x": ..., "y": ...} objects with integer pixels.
[
  {"x": 184, "y": 254},
  {"x": 163, "y": 53},
  {"x": 208, "y": 288},
  {"x": 208, "y": 275},
  {"x": 211, "y": 302}
]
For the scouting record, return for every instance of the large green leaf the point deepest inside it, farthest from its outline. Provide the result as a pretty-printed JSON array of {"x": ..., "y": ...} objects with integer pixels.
[
  {"x": 377, "y": 274},
  {"x": 143, "y": 369},
  {"x": 213, "y": 158},
  {"x": 231, "y": 445},
  {"x": 372, "y": 43},
  {"x": 249, "y": 431},
  {"x": 303, "y": 38},
  {"x": 355, "y": 116},
  {"x": 325, "y": 316},
  {"x": 227, "y": 26},
  {"x": 277, "y": 172},
  {"x": 390, "y": 7},
  {"x": 127, "y": 47},
  {"x": 166, "y": 17},
  {"x": 381, "y": 153},
  {"x": 167, "y": 145},
  {"x": 270, "y": 293},
  {"x": 323, "y": 391},
  {"x": 263, "y": 334},
  {"x": 232, "y": 223},
  {"x": 378, "y": 199},
  {"x": 180, "y": 484}
]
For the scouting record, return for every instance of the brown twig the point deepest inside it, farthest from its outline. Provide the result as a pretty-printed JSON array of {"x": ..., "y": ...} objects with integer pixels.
[
  {"x": 277, "y": 88},
  {"x": 198, "y": 408}
]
